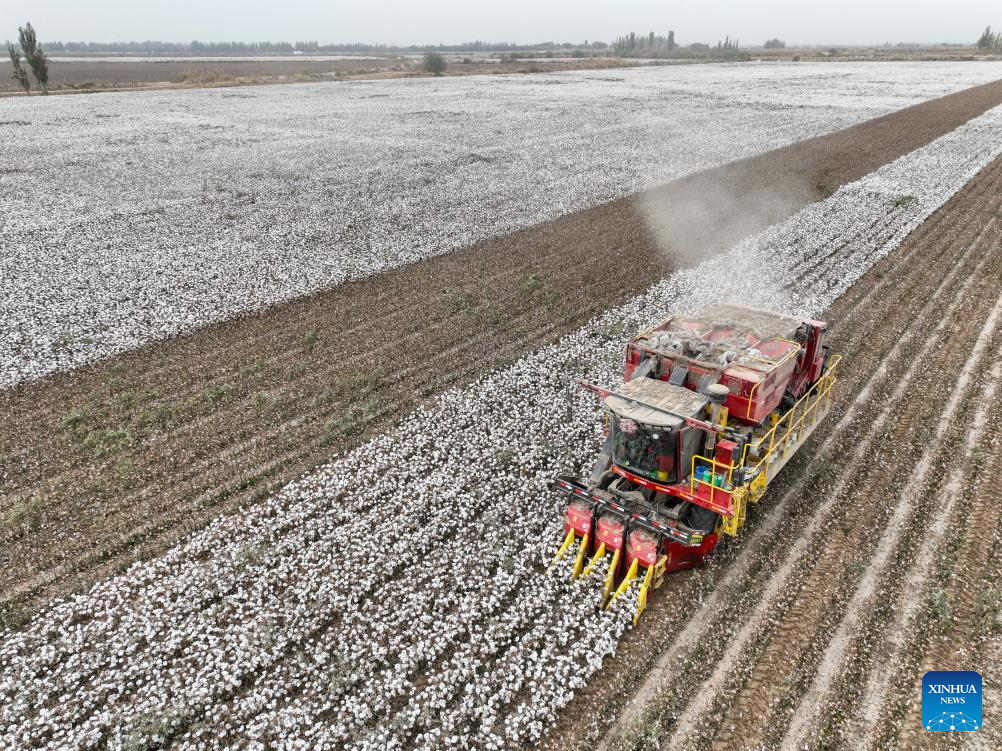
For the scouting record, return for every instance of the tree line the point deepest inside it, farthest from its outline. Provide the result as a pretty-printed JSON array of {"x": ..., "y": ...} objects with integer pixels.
[
  {"x": 30, "y": 51},
  {"x": 152, "y": 47},
  {"x": 990, "y": 41},
  {"x": 630, "y": 45},
  {"x": 664, "y": 47}
]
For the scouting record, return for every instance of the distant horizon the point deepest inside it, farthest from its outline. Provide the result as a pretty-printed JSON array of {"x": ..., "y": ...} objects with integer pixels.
[
  {"x": 403, "y": 23},
  {"x": 488, "y": 45}
]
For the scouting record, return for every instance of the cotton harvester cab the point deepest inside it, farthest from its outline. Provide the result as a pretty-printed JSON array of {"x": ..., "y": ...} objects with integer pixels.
[{"x": 711, "y": 408}]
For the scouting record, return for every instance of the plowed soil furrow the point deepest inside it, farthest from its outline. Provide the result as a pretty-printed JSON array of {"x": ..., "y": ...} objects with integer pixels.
[
  {"x": 877, "y": 315},
  {"x": 777, "y": 584},
  {"x": 204, "y": 462},
  {"x": 964, "y": 523},
  {"x": 840, "y": 569},
  {"x": 180, "y": 431},
  {"x": 958, "y": 617},
  {"x": 827, "y": 576},
  {"x": 925, "y": 496},
  {"x": 308, "y": 416}
]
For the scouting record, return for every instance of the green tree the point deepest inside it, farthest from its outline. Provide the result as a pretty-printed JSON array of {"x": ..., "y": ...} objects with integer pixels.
[
  {"x": 434, "y": 63},
  {"x": 989, "y": 41},
  {"x": 985, "y": 42},
  {"x": 35, "y": 56},
  {"x": 19, "y": 73}
]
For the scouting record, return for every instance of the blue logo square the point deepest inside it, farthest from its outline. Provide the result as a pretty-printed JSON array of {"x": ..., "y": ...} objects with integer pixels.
[{"x": 951, "y": 700}]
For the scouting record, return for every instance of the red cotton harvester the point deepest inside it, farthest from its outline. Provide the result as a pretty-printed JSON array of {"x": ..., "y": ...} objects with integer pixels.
[{"x": 711, "y": 409}]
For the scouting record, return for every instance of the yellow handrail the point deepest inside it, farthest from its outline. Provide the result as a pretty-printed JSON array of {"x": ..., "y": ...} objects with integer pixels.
[
  {"x": 693, "y": 482},
  {"x": 820, "y": 391},
  {"x": 793, "y": 420}
]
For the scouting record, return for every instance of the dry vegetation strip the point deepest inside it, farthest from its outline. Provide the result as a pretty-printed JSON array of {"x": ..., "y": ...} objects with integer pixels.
[
  {"x": 906, "y": 329},
  {"x": 114, "y": 462},
  {"x": 118, "y": 75}
]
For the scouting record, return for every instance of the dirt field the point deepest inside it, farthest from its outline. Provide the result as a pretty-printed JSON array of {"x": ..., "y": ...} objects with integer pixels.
[
  {"x": 77, "y": 74},
  {"x": 114, "y": 74},
  {"x": 860, "y": 574},
  {"x": 114, "y": 462},
  {"x": 81, "y": 75}
]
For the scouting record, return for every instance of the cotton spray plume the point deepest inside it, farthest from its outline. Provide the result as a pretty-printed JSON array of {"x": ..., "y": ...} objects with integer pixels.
[{"x": 701, "y": 215}]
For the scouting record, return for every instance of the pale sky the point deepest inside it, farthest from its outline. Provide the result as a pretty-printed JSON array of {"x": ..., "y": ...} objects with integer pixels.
[{"x": 451, "y": 21}]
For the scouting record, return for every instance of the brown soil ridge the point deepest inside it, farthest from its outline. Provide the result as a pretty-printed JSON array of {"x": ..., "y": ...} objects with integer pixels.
[
  {"x": 837, "y": 574},
  {"x": 101, "y": 76},
  {"x": 750, "y": 705},
  {"x": 959, "y": 625},
  {"x": 116, "y": 461}
]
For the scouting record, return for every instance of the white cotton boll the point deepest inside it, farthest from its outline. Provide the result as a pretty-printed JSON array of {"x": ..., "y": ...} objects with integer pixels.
[
  {"x": 251, "y": 210},
  {"x": 355, "y": 606}
]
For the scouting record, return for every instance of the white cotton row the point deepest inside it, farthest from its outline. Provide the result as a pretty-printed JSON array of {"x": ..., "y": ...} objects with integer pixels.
[
  {"x": 397, "y": 597},
  {"x": 150, "y": 214}
]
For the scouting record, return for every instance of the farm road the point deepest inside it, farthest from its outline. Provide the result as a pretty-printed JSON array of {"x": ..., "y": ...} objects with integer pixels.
[
  {"x": 116, "y": 461},
  {"x": 833, "y": 605}
]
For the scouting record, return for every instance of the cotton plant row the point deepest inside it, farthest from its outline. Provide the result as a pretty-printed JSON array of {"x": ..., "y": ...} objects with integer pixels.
[
  {"x": 151, "y": 214},
  {"x": 398, "y": 597}
]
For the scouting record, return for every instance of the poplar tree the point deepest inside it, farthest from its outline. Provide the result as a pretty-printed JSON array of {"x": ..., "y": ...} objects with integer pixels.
[
  {"x": 19, "y": 73},
  {"x": 35, "y": 56}
]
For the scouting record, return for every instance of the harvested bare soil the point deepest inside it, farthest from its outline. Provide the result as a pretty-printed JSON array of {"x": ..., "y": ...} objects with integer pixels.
[
  {"x": 114, "y": 462},
  {"x": 773, "y": 644},
  {"x": 126, "y": 74},
  {"x": 88, "y": 76}
]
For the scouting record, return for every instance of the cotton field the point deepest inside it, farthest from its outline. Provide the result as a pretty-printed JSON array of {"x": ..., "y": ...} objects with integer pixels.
[
  {"x": 398, "y": 597},
  {"x": 149, "y": 214}
]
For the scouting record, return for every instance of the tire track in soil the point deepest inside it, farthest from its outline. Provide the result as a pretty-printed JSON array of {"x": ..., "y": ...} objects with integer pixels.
[
  {"x": 596, "y": 703},
  {"x": 784, "y": 633},
  {"x": 888, "y": 637},
  {"x": 883, "y": 636},
  {"x": 888, "y": 590},
  {"x": 915, "y": 504},
  {"x": 158, "y": 395},
  {"x": 757, "y": 703},
  {"x": 969, "y": 510},
  {"x": 965, "y": 633}
]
